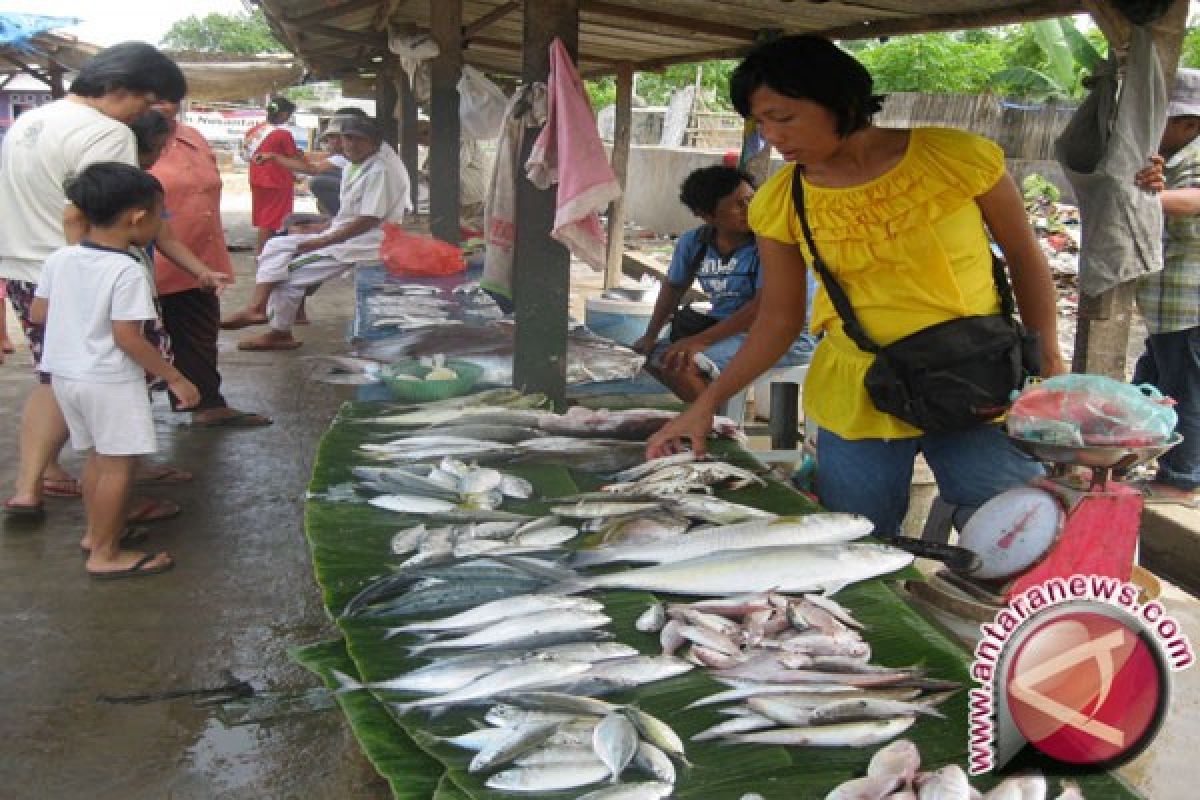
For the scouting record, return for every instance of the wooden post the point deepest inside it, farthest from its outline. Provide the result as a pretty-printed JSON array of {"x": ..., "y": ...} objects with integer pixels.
[
  {"x": 56, "y": 82},
  {"x": 1102, "y": 331},
  {"x": 445, "y": 132},
  {"x": 541, "y": 266},
  {"x": 623, "y": 122},
  {"x": 385, "y": 99},
  {"x": 408, "y": 129}
]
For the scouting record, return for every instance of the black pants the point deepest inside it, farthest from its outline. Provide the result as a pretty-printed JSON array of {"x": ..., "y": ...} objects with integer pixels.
[{"x": 193, "y": 319}]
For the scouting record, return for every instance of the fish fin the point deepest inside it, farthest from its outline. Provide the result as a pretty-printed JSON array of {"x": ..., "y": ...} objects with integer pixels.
[{"x": 345, "y": 682}]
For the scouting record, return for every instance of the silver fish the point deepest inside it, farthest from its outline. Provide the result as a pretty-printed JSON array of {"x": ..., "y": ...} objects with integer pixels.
[
  {"x": 559, "y": 754},
  {"x": 588, "y": 509},
  {"x": 408, "y": 540},
  {"x": 647, "y": 790},
  {"x": 637, "y": 670},
  {"x": 657, "y": 732},
  {"x": 652, "y": 466},
  {"x": 716, "y": 510},
  {"x": 476, "y": 740},
  {"x": 505, "y": 608},
  {"x": 546, "y": 537},
  {"x": 506, "y": 679},
  {"x": 651, "y": 526},
  {"x": 868, "y": 787},
  {"x": 506, "y": 715},
  {"x": 615, "y": 741},
  {"x": 741, "y": 724},
  {"x": 828, "y": 528},
  {"x": 787, "y": 569},
  {"x": 654, "y": 762},
  {"x": 548, "y": 777},
  {"x": 487, "y": 431},
  {"x": 846, "y": 734},
  {"x": 815, "y": 693},
  {"x": 652, "y": 619},
  {"x": 521, "y": 739},
  {"x": 521, "y": 628},
  {"x": 422, "y": 681},
  {"x": 411, "y": 504},
  {"x": 556, "y": 701}
]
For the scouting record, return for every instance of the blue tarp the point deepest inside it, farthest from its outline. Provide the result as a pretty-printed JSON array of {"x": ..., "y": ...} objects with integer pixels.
[{"x": 18, "y": 28}]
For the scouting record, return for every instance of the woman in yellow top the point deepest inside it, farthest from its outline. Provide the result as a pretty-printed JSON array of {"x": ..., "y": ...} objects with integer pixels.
[{"x": 901, "y": 217}]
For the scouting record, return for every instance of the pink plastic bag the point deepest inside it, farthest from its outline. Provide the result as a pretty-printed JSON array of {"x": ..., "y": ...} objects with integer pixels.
[{"x": 1077, "y": 410}]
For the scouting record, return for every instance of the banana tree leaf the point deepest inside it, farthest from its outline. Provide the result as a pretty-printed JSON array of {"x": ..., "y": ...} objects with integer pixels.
[{"x": 351, "y": 546}]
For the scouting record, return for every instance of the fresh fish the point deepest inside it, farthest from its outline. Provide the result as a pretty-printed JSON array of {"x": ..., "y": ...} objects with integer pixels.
[
  {"x": 652, "y": 619},
  {"x": 516, "y": 487},
  {"x": 948, "y": 783},
  {"x": 476, "y": 740},
  {"x": 900, "y": 759},
  {"x": 787, "y": 569},
  {"x": 652, "y": 466},
  {"x": 615, "y": 741},
  {"x": 556, "y": 701},
  {"x": 546, "y": 537},
  {"x": 588, "y": 651},
  {"x": 716, "y": 510},
  {"x": 506, "y": 679},
  {"x": 868, "y": 787},
  {"x": 670, "y": 638},
  {"x": 827, "y": 528},
  {"x": 738, "y": 605},
  {"x": 548, "y": 777},
  {"x": 522, "y": 628},
  {"x": 654, "y": 762},
  {"x": 488, "y": 613},
  {"x": 411, "y": 504},
  {"x": 651, "y": 526},
  {"x": 711, "y": 639},
  {"x": 846, "y": 734},
  {"x": 403, "y": 480},
  {"x": 656, "y": 732},
  {"x": 648, "y": 790},
  {"x": 637, "y": 670},
  {"x": 506, "y": 715},
  {"x": 603, "y": 508},
  {"x": 848, "y": 710},
  {"x": 1020, "y": 787},
  {"x": 451, "y": 597},
  {"x": 521, "y": 739},
  {"x": 495, "y": 415},
  {"x": 427, "y": 680},
  {"x": 839, "y": 612},
  {"x": 741, "y": 724},
  {"x": 408, "y": 540},
  {"x": 489, "y": 432},
  {"x": 559, "y": 754},
  {"x": 745, "y": 690}
]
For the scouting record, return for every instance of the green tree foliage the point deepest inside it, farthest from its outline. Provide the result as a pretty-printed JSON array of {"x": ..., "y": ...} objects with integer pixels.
[
  {"x": 1055, "y": 58},
  {"x": 946, "y": 63},
  {"x": 1191, "y": 49},
  {"x": 656, "y": 87},
  {"x": 244, "y": 33}
]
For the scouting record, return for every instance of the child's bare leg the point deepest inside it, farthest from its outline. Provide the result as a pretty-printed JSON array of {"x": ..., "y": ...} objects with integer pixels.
[
  {"x": 108, "y": 481},
  {"x": 255, "y": 312}
]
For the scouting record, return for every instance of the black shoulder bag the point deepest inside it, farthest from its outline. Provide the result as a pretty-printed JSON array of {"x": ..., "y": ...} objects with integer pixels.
[
  {"x": 947, "y": 377},
  {"x": 686, "y": 321}
]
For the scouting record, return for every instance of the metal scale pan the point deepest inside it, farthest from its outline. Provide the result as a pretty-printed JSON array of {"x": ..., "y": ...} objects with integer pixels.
[{"x": 1102, "y": 457}]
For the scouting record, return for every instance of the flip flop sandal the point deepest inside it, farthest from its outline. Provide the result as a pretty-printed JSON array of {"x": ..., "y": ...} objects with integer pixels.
[
  {"x": 61, "y": 487},
  {"x": 24, "y": 512},
  {"x": 152, "y": 509},
  {"x": 131, "y": 535},
  {"x": 164, "y": 474},
  {"x": 240, "y": 419},
  {"x": 138, "y": 570}
]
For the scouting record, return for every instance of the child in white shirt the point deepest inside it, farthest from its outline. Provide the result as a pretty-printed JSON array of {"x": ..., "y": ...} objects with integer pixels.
[{"x": 93, "y": 298}]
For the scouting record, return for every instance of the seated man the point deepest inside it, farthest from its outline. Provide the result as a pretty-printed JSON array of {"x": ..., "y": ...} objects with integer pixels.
[
  {"x": 375, "y": 189},
  {"x": 723, "y": 256}
]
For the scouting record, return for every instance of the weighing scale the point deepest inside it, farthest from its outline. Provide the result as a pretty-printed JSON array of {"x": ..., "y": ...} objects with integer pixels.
[{"x": 1067, "y": 523}]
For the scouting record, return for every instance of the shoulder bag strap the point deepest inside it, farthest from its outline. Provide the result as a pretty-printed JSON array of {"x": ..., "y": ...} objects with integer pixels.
[{"x": 837, "y": 295}]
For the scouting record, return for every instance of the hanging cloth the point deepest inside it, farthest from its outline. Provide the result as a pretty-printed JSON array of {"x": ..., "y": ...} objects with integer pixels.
[{"x": 1122, "y": 225}]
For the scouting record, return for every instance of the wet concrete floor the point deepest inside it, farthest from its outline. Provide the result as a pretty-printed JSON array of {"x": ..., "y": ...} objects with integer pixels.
[{"x": 241, "y": 595}]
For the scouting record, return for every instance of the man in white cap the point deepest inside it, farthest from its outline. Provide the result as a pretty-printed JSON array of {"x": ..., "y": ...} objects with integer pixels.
[
  {"x": 1170, "y": 300},
  {"x": 375, "y": 190}
]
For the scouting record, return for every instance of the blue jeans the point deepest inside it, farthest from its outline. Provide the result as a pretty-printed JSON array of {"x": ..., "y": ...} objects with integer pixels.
[
  {"x": 1172, "y": 363},
  {"x": 723, "y": 351},
  {"x": 872, "y": 477}
]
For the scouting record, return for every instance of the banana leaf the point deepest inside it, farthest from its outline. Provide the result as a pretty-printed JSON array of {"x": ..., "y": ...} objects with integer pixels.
[{"x": 350, "y": 545}]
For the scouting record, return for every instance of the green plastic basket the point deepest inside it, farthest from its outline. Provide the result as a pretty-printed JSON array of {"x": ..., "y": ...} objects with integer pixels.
[{"x": 423, "y": 391}]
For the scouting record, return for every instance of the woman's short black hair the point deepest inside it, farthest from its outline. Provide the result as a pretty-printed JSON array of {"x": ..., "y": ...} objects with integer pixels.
[
  {"x": 148, "y": 128},
  {"x": 808, "y": 68},
  {"x": 279, "y": 106},
  {"x": 350, "y": 111},
  {"x": 107, "y": 188},
  {"x": 703, "y": 189},
  {"x": 133, "y": 66}
]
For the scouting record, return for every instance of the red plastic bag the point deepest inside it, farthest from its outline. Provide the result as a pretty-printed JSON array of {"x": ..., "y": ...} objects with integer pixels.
[{"x": 406, "y": 254}]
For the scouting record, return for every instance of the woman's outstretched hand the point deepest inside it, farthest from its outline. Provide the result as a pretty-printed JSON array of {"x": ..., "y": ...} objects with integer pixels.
[{"x": 689, "y": 428}]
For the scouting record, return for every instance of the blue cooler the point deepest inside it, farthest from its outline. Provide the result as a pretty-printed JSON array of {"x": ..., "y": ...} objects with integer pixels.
[{"x": 623, "y": 321}]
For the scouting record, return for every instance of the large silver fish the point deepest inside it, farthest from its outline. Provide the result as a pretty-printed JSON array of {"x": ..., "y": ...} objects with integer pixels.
[
  {"x": 507, "y": 679},
  {"x": 521, "y": 739},
  {"x": 496, "y": 610},
  {"x": 549, "y": 777},
  {"x": 814, "y": 568},
  {"x": 810, "y": 529},
  {"x": 846, "y": 734},
  {"x": 522, "y": 628}
]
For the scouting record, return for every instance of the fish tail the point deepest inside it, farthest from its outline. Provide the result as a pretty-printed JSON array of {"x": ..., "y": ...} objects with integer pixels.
[{"x": 346, "y": 683}]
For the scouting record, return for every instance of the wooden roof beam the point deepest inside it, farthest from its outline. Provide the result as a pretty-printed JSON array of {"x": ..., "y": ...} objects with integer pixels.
[
  {"x": 1014, "y": 14},
  {"x": 684, "y": 24},
  {"x": 490, "y": 18},
  {"x": 329, "y": 12},
  {"x": 515, "y": 47}
]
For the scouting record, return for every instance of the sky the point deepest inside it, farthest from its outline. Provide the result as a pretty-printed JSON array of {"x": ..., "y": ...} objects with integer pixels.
[{"x": 107, "y": 22}]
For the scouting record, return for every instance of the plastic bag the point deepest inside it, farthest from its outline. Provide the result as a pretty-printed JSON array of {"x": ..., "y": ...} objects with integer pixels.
[
  {"x": 481, "y": 105},
  {"x": 405, "y": 254},
  {"x": 1078, "y": 410}
]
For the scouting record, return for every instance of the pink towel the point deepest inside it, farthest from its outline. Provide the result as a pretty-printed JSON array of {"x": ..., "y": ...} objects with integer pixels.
[{"x": 569, "y": 152}]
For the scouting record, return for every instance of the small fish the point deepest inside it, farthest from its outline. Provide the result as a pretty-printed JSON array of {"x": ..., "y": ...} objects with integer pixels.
[
  {"x": 653, "y": 761},
  {"x": 615, "y": 741},
  {"x": 741, "y": 724},
  {"x": 556, "y": 701},
  {"x": 521, "y": 739},
  {"x": 522, "y": 628},
  {"x": 652, "y": 619},
  {"x": 559, "y": 754},
  {"x": 548, "y": 777},
  {"x": 601, "y": 508},
  {"x": 427, "y": 680},
  {"x": 652, "y": 466},
  {"x": 545, "y": 537},
  {"x": 408, "y": 540},
  {"x": 506, "y": 679},
  {"x": 648, "y": 790},
  {"x": 476, "y": 740},
  {"x": 506, "y": 715},
  {"x": 847, "y": 734},
  {"x": 900, "y": 759},
  {"x": 867, "y": 787},
  {"x": 948, "y": 783},
  {"x": 1019, "y": 787},
  {"x": 851, "y": 710},
  {"x": 635, "y": 671},
  {"x": 411, "y": 504},
  {"x": 657, "y": 732},
  {"x": 506, "y": 608}
]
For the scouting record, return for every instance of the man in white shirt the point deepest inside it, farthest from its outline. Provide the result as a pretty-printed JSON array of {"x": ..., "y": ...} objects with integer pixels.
[
  {"x": 43, "y": 148},
  {"x": 375, "y": 190}
]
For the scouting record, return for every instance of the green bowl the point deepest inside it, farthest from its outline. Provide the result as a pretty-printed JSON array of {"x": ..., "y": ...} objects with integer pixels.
[{"x": 423, "y": 391}]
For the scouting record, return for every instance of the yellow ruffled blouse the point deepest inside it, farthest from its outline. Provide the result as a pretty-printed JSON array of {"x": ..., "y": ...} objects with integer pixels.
[{"x": 910, "y": 250}]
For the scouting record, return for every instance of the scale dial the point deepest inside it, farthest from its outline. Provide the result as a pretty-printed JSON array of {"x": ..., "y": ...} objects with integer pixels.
[{"x": 1012, "y": 531}]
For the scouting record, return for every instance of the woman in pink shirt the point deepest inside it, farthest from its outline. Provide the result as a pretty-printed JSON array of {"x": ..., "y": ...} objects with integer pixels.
[{"x": 188, "y": 171}]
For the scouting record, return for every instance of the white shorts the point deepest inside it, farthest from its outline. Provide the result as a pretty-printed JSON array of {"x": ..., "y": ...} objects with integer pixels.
[{"x": 113, "y": 419}]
